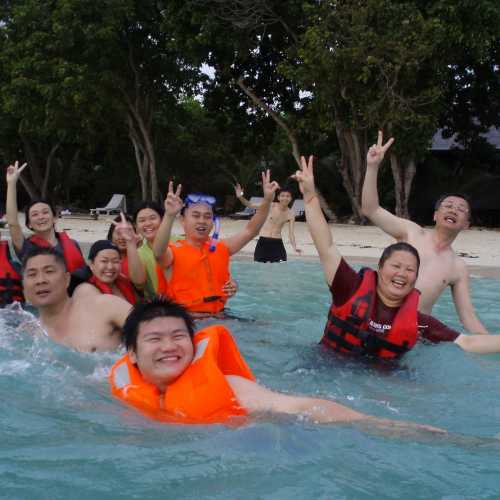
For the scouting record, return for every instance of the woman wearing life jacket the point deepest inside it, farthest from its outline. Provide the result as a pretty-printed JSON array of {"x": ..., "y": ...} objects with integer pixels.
[
  {"x": 375, "y": 312},
  {"x": 11, "y": 286},
  {"x": 103, "y": 274},
  {"x": 173, "y": 375},
  {"x": 197, "y": 268},
  {"x": 40, "y": 218}
]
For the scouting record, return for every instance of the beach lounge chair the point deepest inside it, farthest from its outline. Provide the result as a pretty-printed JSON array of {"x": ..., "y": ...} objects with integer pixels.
[
  {"x": 247, "y": 212},
  {"x": 116, "y": 204},
  {"x": 299, "y": 209}
]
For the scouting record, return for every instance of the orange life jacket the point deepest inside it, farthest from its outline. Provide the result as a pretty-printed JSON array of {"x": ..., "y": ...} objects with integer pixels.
[
  {"x": 198, "y": 276},
  {"x": 11, "y": 286},
  {"x": 124, "y": 285},
  {"x": 200, "y": 395},
  {"x": 347, "y": 327},
  {"x": 162, "y": 282},
  {"x": 72, "y": 255}
]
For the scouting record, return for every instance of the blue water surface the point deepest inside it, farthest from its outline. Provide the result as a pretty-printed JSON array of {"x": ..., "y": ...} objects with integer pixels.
[{"x": 63, "y": 435}]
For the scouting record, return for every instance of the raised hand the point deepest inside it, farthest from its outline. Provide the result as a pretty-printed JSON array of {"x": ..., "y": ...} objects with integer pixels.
[
  {"x": 269, "y": 187},
  {"x": 125, "y": 231},
  {"x": 377, "y": 151},
  {"x": 238, "y": 190},
  {"x": 14, "y": 171},
  {"x": 173, "y": 201},
  {"x": 305, "y": 177}
]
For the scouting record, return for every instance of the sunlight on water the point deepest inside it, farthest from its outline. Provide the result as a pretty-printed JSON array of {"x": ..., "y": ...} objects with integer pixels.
[{"x": 63, "y": 436}]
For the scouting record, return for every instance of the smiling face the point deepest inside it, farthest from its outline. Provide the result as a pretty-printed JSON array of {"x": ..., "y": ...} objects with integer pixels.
[
  {"x": 106, "y": 265},
  {"x": 198, "y": 220},
  {"x": 40, "y": 218},
  {"x": 45, "y": 281},
  {"x": 453, "y": 213},
  {"x": 397, "y": 277},
  {"x": 148, "y": 221},
  {"x": 285, "y": 198},
  {"x": 164, "y": 350}
]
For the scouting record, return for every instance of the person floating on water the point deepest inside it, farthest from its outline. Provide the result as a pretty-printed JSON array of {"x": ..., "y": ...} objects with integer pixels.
[
  {"x": 375, "y": 312},
  {"x": 441, "y": 267},
  {"x": 270, "y": 247},
  {"x": 198, "y": 267},
  {"x": 103, "y": 274},
  {"x": 174, "y": 375},
  {"x": 91, "y": 322},
  {"x": 40, "y": 218}
]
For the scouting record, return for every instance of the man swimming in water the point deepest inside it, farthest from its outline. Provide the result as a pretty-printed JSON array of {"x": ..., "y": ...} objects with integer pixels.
[
  {"x": 440, "y": 266},
  {"x": 197, "y": 268},
  {"x": 88, "y": 324},
  {"x": 270, "y": 246},
  {"x": 174, "y": 375}
]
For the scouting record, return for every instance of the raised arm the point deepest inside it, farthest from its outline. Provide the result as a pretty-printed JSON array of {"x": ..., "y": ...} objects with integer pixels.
[
  {"x": 238, "y": 241},
  {"x": 16, "y": 233},
  {"x": 238, "y": 191},
  {"x": 173, "y": 205},
  {"x": 461, "y": 296},
  {"x": 137, "y": 272},
  {"x": 316, "y": 223},
  {"x": 395, "y": 226}
]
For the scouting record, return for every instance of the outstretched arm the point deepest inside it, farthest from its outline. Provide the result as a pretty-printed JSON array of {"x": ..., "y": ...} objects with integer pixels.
[
  {"x": 238, "y": 241},
  {"x": 316, "y": 223},
  {"x": 173, "y": 205},
  {"x": 370, "y": 206},
  {"x": 257, "y": 399},
  {"x": 463, "y": 304},
  {"x": 238, "y": 191},
  {"x": 16, "y": 233},
  {"x": 479, "y": 344}
]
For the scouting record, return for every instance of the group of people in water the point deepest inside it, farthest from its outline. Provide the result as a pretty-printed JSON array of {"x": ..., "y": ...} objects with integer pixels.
[{"x": 146, "y": 290}]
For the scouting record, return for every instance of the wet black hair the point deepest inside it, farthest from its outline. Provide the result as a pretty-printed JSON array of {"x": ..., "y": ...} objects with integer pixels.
[
  {"x": 36, "y": 251},
  {"x": 112, "y": 227},
  {"x": 151, "y": 205},
  {"x": 100, "y": 245},
  {"x": 456, "y": 195},
  {"x": 399, "y": 247},
  {"x": 34, "y": 202},
  {"x": 158, "y": 307}
]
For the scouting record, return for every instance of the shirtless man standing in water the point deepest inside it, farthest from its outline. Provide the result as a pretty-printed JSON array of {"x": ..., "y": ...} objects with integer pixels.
[
  {"x": 270, "y": 246},
  {"x": 440, "y": 266},
  {"x": 91, "y": 323}
]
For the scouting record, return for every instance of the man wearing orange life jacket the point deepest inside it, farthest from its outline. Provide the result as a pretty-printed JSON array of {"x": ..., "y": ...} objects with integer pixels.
[
  {"x": 40, "y": 218},
  {"x": 197, "y": 268},
  {"x": 173, "y": 375}
]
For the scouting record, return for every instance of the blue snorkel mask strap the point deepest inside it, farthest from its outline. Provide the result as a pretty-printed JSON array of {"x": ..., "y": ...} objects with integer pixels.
[{"x": 215, "y": 235}]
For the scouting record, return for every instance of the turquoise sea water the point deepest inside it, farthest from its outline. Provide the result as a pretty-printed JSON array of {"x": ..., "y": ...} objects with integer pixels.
[{"x": 63, "y": 436}]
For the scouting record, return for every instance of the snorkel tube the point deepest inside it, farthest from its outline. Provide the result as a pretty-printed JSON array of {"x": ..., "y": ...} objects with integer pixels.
[{"x": 215, "y": 235}]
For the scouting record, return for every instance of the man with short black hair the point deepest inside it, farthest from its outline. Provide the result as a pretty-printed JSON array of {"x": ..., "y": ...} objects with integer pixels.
[
  {"x": 441, "y": 267},
  {"x": 171, "y": 375},
  {"x": 88, "y": 324}
]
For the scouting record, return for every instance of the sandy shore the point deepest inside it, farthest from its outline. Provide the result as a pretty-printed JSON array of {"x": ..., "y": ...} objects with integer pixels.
[{"x": 479, "y": 247}]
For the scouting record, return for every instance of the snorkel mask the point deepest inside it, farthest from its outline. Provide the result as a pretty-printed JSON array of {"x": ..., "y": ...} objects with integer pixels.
[{"x": 193, "y": 199}]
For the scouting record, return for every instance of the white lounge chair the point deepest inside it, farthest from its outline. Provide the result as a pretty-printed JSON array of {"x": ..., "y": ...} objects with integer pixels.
[
  {"x": 248, "y": 212},
  {"x": 116, "y": 204},
  {"x": 299, "y": 208}
]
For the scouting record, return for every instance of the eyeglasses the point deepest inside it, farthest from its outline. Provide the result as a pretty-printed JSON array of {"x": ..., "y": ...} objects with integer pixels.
[
  {"x": 451, "y": 206},
  {"x": 199, "y": 198}
]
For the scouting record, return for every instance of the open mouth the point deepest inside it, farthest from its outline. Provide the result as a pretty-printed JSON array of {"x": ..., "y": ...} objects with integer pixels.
[
  {"x": 42, "y": 293},
  {"x": 450, "y": 219},
  {"x": 398, "y": 283},
  {"x": 171, "y": 358}
]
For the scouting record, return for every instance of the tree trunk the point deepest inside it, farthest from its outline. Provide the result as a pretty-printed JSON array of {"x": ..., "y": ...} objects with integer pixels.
[
  {"x": 141, "y": 159},
  {"x": 403, "y": 178},
  {"x": 48, "y": 167},
  {"x": 352, "y": 165}
]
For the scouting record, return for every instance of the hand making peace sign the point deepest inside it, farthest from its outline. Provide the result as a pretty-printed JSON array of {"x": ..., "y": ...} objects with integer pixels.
[
  {"x": 14, "y": 172},
  {"x": 173, "y": 201},
  {"x": 377, "y": 152}
]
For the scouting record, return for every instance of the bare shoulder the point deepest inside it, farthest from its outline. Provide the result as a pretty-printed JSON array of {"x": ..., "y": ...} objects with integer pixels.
[{"x": 85, "y": 290}]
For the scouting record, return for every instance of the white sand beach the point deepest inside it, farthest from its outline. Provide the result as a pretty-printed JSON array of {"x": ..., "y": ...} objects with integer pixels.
[{"x": 359, "y": 244}]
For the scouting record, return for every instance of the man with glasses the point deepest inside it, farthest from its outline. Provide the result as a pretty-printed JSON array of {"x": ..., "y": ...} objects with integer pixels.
[
  {"x": 197, "y": 268},
  {"x": 440, "y": 266}
]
